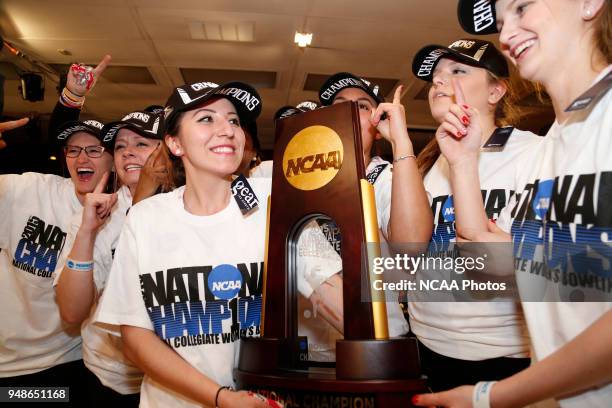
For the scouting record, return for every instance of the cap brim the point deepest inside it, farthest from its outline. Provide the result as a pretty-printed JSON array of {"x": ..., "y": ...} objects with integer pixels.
[
  {"x": 338, "y": 77},
  {"x": 427, "y": 74},
  {"x": 248, "y": 104},
  {"x": 111, "y": 129}
]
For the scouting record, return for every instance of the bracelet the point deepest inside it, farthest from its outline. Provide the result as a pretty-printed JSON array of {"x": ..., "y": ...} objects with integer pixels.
[
  {"x": 70, "y": 99},
  {"x": 404, "y": 157},
  {"x": 223, "y": 387},
  {"x": 84, "y": 266},
  {"x": 481, "y": 397}
]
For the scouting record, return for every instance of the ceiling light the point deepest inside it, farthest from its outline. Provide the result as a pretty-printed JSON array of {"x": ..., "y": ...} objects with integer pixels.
[
  {"x": 302, "y": 39},
  {"x": 52, "y": 158}
]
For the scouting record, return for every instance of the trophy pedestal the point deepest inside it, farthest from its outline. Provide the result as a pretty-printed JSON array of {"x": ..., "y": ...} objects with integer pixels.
[{"x": 369, "y": 373}]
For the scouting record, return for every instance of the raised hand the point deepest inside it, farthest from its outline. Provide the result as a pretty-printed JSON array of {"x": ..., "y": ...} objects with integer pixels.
[
  {"x": 393, "y": 128},
  {"x": 459, "y": 135},
  {"x": 97, "y": 206},
  {"x": 10, "y": 125},
  {"x": 82, "y": 78},
  {"x": 156, "y": 172}
]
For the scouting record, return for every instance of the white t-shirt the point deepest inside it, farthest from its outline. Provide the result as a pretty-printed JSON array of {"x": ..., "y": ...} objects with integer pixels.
[
  {"x": 194, "y": 280},
  {"x": 263, "y": 169},
  {"x": 36, "y": 210},
  {"x": 102, "y": 351},
  {"x": 563, "y": 199},
  {"x": 382, "y": 191},
  {"x": 471, "y": 330}
]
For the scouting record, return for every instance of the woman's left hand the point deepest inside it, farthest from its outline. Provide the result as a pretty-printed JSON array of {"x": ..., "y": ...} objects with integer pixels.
[{"x": 393, "y": 127}]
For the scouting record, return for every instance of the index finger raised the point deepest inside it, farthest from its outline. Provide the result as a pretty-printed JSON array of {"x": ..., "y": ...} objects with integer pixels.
[
  {"x": 99, "y": 69},
  {"x": 101, "y": 183},
  {"x": 459, "y": 95}
]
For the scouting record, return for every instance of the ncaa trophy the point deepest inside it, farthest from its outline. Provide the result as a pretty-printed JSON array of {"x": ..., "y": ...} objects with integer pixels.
[{"x": 323, "y": 344}]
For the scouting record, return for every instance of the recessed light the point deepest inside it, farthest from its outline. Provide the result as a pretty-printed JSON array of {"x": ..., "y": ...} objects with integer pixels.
[
  {"x": 302, "y": 39},
  {"x": 52, "y": 158}
]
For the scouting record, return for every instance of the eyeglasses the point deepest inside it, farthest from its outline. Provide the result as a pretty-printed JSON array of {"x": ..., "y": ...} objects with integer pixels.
[{"x": 90, "y": 151}]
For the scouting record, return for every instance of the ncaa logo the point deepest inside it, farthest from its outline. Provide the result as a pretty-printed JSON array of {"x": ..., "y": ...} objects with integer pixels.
[
  {"x": 541, "y": 201},
  {"x": 448, "y": 210},
  {"x": 225, "y": 281}
]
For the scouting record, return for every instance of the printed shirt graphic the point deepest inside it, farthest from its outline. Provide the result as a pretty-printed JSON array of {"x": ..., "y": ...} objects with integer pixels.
[
  {"x": 36, "y": 211},
  {"x": 382, "y": 192},
  {"x": 497, "y": 329},
  {"x": 562, "y": 206},
  {"x": 102, "y": 351},
  {"x": 196, "y": 281}
]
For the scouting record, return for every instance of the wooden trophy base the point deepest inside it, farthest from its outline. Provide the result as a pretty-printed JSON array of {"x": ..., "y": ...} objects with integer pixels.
[{"x": 369, "y": 373}]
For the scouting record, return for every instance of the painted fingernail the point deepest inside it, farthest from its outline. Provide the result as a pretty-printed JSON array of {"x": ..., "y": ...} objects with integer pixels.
[
  {"x": 466, "y": 107},
  {"x": 492, "y": 220},
  {"x": 415, "y": 399},
  {"x": 465, "y": 120}
]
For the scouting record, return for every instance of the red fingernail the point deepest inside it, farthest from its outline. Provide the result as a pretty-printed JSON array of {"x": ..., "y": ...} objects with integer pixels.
[
  {"x": 415, "y": 399},
  {"x": 466, "y": 107},
  {"x": 493, "y": 221},
  {"x": 465, "y": 120}
]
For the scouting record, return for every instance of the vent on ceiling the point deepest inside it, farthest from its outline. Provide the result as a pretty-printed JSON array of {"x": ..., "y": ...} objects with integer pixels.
[
  {"x": 314, "y": 82},
  {"x": 257, "y": 79},
  {"x": 215, "y": 31},
  {"x": 119, "y": 74}
]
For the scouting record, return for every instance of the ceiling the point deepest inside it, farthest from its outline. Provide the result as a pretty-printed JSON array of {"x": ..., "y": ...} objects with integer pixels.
[{"x": 158, "y": 44}]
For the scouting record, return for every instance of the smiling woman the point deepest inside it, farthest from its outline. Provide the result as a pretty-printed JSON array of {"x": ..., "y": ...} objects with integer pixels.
[
  {"x": 200, "y": 228},
  {"x": 565, "y": 45},
  {"x": 38, "y": 348},
  {"x": 468, "y": 86}
]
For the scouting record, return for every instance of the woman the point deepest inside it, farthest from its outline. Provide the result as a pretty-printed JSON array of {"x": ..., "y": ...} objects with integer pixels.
[
  {"x": 401, "y": 201},
  {"x": 562, "y": 187},
  {"x": 93, "y": 239},
  {"x": 217, "y": 290},
  {"x": 37, "y": 347},
  {"x": 462, "y": 342}
]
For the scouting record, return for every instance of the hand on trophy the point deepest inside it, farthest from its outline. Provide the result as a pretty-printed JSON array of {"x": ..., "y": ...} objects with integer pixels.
[
  {"x": 460, "y": 397},
  {"x": 245, "y": 399}
]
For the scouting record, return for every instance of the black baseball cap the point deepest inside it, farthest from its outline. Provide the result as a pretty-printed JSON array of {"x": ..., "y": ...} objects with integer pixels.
[
  {"x": 146, "y": 124},
  {"x": 158, "y": 109},
  {"x": 474, "y": 52},
  {"x": 343, "y": 80},
  {"x": 244, "y": 97},
  {"x": 301, "y": 107},
  {"x": 91, "y": 126},
  {"x": 477, "y": 16}
]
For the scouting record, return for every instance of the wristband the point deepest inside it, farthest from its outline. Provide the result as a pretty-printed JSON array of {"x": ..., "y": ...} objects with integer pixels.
[
  {"x": 223, "y": 387},
  {"x": 404, "y": 157},
  {"x": 481, "y": 397},
  {"x": 84, "y": 266}
]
